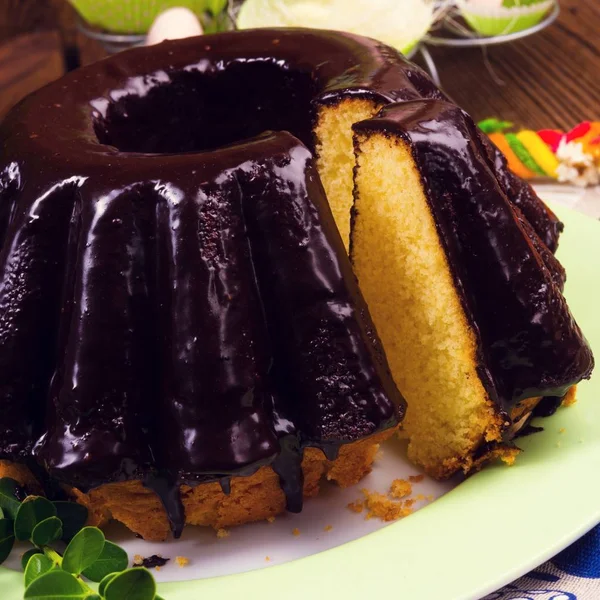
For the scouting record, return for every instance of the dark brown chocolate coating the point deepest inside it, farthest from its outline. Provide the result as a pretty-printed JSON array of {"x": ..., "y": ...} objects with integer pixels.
[
  {"x": 199, "y": 318},
  {"x": 510, "y": 285},
  {"x": 142, "y": 297}
]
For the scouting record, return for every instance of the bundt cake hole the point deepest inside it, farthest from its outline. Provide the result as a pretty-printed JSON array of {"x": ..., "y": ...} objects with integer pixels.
[{"x": 192, "y": 111}]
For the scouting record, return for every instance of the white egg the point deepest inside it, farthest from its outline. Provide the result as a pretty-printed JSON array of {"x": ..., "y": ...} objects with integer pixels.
[{"x": 173, "y": 24}]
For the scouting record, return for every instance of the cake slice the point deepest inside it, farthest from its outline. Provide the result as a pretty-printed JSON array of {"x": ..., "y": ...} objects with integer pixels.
[{"x": 466, "y": 298}]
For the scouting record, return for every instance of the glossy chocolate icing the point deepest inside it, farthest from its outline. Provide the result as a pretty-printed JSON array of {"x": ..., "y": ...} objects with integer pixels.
[
  {"x": 199, "y": 316},
  {"x": 510, "y": 284},
  {"x": 143, "y": 297}
]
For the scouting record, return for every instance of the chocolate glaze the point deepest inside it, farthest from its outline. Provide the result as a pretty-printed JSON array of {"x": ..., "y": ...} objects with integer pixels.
[
  {"x": 180, "y": 348},
  {"x": 528, "y": 343},
  {"x": 143, "y": 297}
]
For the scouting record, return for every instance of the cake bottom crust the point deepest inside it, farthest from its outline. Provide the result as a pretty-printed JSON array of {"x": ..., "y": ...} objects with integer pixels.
[{"x": 253, "y": 498}]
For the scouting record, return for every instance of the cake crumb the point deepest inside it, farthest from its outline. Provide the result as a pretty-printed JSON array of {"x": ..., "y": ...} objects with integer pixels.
[
  {"x": 416, "y": 478},
  {"x": 357, "y": 506},
  {"x": 182, "y": 561},
  {"x": 570, "y": 397},
  {"x": 380, "y": 506},
  {"x": 419, "y": 498},
  {"x": 328, "y": 528},
  {"x": 222, "y": 533},
  {"x": 157, "y": 568},
  {"x": 429, "y": 498},
  {"x": 271, "y": 519},
  {"x": 296, "y": 531},
  {"x": 409, "y": 502},
  {"x": 138, "y": 559},
  {"x": 561, "y": 430},
  {"x": 268, "y": 558},
  {"x": 400, "y": 488}
]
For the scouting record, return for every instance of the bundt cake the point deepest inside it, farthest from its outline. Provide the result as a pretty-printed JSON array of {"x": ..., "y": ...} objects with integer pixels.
[
  {"x": 466, "y": 297},
  {"x": 179, "y": 322},
  {"x": 182, "y": 339}
]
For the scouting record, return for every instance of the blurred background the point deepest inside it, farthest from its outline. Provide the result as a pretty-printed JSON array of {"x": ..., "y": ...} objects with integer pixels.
[{"x": 549, "y": 79}]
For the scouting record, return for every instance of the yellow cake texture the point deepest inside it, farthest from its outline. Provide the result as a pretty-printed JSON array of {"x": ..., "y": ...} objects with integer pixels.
[
  {"x": 335, "y": 155},
  {"x": 471, "y": 366},
  {"x": 428, "y": 340}
]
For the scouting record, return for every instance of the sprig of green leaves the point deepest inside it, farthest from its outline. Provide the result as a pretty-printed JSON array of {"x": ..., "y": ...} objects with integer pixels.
[{"x": 50, "y": 575}]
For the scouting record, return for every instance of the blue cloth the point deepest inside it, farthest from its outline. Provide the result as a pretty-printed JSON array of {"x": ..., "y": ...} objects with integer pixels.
[{"x": 574, "y": 574}]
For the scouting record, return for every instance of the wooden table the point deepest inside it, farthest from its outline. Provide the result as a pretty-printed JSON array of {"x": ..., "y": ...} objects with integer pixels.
[{"x": 551, "y": 79}]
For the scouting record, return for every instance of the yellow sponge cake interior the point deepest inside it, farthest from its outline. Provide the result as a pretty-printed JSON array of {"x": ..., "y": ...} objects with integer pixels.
[{"x": 429, "y": 343}]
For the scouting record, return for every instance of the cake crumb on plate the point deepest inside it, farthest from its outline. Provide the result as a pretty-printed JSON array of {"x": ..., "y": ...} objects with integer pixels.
[
  {"x": 296, "y": 531},
  {"x": 328, "y": 528},
  {"x": 357, "y": 506},
  {"x": 380, "y": 506},
  {"x": 222, "y": 533},
  {"x": 400, "y": 488},
  {"x": 416, "y": 478},
  {"x": 182, "y": 561}
]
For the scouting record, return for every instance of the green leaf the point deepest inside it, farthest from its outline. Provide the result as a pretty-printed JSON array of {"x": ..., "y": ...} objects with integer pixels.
[
  {"x": 105, "y": 581},
  {"x": 111, "y": 560},
  {"x": 8, "y": 497},
  {"x": 47, "y": 531},
  {"x": 157, "y": 597},
  {"x": 32, "y": 511},
  {"x": 73, "y": 517},
  {"x": 38, "y": 565},
  {"x": 57, "y": 585},
  {"x": 133, "y": 584},
  {"x": 7, "y": 538},
  {"x": 25, "y": 558},
  {"x": 83, "y": 550},
  {"x": 493, "y": 125}
]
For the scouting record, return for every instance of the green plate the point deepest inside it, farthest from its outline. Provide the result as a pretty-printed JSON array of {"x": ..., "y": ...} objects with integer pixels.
[{"x": 487, "y": 531}]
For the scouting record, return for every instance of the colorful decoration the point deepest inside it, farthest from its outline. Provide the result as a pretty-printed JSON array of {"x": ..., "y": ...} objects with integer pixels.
[{"x": 567, "y": 156}]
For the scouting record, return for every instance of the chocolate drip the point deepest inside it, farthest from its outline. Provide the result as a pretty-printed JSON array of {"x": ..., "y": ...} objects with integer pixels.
[
  {"x": 212, "y": 334},
  {"x": 96, "y": 420},
  {"x": 225, "y": 483},
  {"x": 165, "y": 486},
  {"x": 32, "y": 264},
  {"x": 529, "y": 345},
  {"x": 288, "y": 466}
]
